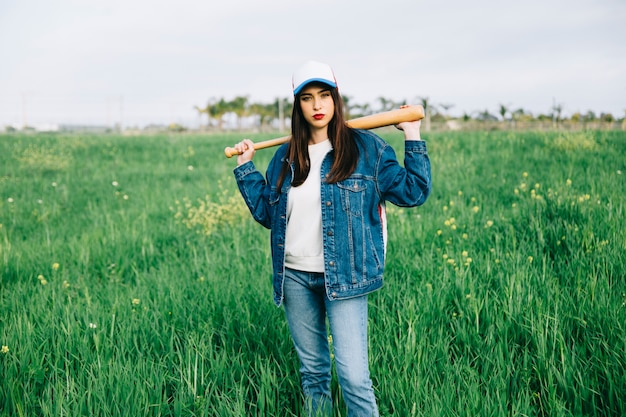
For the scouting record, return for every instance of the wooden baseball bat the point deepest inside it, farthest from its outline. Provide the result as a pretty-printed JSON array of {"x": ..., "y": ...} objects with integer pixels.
[{"x": 373, "y": 121}]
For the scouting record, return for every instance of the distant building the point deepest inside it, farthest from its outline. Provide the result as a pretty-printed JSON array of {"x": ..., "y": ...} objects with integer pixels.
[
  {"x": 67, "y": 128},
  {"x": 63, "y": 128}
]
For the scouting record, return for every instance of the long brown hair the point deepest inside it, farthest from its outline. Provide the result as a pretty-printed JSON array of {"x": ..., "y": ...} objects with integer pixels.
[{"x": 339, "y": 134}]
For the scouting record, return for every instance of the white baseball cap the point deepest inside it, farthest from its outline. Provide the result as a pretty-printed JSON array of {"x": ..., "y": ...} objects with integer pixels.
[{"x": 312, "y": 71}]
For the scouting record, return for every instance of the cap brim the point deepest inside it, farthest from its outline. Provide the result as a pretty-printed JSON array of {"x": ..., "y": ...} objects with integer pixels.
[{"x": 313, "y": 80}]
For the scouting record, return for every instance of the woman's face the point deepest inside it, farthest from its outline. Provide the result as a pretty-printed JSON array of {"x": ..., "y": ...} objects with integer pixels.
[{"x": 318, "y": 106}]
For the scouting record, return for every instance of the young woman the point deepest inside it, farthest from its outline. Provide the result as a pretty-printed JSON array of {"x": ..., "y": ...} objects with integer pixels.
[{"x": 323, "y": 199}]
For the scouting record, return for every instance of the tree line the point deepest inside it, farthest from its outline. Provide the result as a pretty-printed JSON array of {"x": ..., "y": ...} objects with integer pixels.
[
  {"x": 279, "y": 110},
  {"x": 216, "y": 109}
]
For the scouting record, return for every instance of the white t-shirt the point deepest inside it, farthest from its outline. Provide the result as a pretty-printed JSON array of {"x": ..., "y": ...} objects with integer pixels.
[{"x": 303, "y": 242}]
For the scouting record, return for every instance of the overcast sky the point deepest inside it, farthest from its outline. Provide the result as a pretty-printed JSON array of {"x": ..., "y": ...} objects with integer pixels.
[{"x": 152, "y": 61}]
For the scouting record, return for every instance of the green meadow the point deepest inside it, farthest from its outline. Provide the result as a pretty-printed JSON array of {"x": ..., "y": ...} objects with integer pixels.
[{"x": 133, "y": 281}]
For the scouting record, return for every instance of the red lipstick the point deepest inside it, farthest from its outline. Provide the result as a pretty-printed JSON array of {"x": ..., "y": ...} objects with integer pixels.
[{"x": 318, "y": 116}]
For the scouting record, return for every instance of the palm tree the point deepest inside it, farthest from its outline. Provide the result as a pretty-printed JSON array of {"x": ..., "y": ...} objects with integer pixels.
[
  {"x": 516, "y": 116},
  {"x": 201, "y": 111},
  {"x": 485, "y": 116},
  {"x": 556, "y": 113},
  {"x": 283, "y": 108},
  {"x": 214, "y": 109},
  {"x": 217, "y": 110},
  {"x": 386, "y": 104},
  {"x": 348, "y": 107},
  {"x": 239, "y": 106},
  {"x": 425, "y": 102},
  {"x": 504, "y": 110},
  {"x": 354, "y": 110},
  {"x": 264, "y": 111},
  {"x": 360, "y": 110},
  {"x": 446, "y": 107}
]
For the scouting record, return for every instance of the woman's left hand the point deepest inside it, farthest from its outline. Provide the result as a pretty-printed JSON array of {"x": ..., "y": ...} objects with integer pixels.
[{"x": 411, "y": 129}]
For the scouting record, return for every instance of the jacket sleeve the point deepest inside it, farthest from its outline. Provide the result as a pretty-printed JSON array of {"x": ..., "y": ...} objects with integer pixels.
[
  {"x": 406, "y": 186},
  {"x": 255, "y": 192}
]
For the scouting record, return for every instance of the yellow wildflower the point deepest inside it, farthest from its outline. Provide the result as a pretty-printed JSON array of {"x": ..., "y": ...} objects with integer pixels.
[
  {"x": 5, "y": 349},
  {"x": 55, "y": 266},
  {"x": 136, "y": 301}
]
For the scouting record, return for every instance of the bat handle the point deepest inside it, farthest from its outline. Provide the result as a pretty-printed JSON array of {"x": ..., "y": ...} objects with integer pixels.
[{"x": 230, "y": 152}]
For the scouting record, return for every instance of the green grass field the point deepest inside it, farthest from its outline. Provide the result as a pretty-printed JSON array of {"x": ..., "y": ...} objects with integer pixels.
[{"x": 133, "y": 282}]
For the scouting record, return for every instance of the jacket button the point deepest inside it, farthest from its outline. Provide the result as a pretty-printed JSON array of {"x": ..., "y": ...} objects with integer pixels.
[
  {"x": 330, "y": 233},
  {"x": 328, "y": 203},
  {"x": 334, "y": 294},
  {"x": 331, "y": 263}
]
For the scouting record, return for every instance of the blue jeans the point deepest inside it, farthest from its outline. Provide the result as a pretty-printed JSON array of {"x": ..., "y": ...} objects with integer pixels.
[{"x": 306, "y": 308}]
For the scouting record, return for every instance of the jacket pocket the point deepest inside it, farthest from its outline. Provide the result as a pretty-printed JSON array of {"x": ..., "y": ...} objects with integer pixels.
[{"x": 352, "y": 196}]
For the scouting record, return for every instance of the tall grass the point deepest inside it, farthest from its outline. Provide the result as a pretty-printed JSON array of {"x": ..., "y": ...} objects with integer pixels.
[{"x": 133, "y": 283}]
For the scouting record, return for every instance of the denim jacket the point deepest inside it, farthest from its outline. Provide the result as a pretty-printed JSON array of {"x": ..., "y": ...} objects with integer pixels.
[{"x": 353, "y": 228}]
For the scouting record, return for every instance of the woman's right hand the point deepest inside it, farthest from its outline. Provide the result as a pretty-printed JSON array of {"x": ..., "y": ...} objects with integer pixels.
[{"x": 246, "y": 151}]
